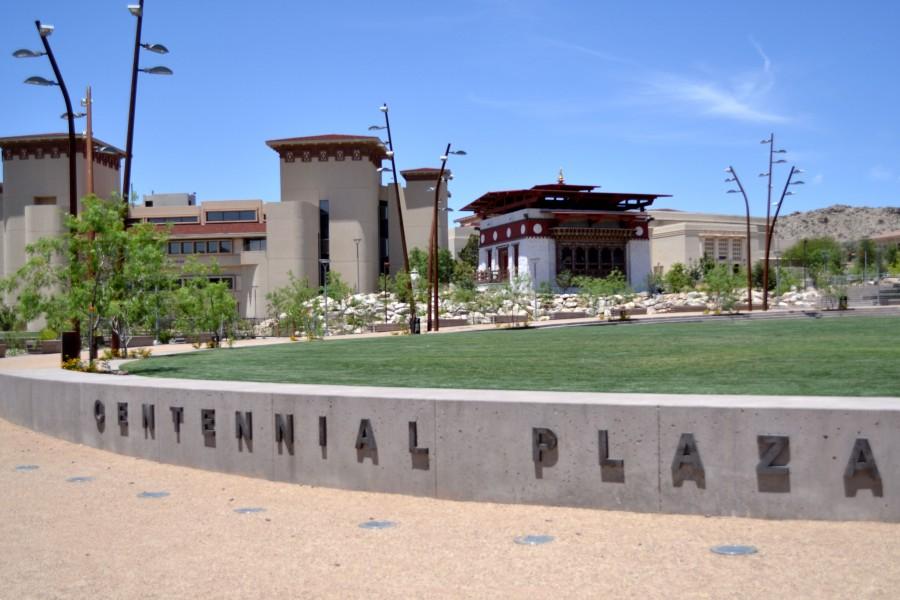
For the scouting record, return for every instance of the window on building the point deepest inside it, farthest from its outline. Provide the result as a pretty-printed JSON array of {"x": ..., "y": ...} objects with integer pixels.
[
  {"x": 323, "y": 238},
  {"x": 709, "y": 248},
  {"x": 516, "y": 259},
  {"x": 723, "y": 250},
  {"x": 737, "y": 249},
  {"x": 187, "y": 219},
  {"x": 201, "y": 247},
  {"x": 254, "y": 244},
  {"x": 383, "y": 236},
  {"x": 230, "y": 215},
  {"x": 45, "y": 200}
]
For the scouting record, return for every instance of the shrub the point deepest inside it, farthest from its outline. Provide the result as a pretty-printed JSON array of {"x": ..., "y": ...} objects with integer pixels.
[{"x": 678, "y": 279}]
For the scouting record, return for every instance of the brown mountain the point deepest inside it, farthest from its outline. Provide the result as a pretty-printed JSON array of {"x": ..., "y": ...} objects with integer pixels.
[{"x": 843, "y": 223}]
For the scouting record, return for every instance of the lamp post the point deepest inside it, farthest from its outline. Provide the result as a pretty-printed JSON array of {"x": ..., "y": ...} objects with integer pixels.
[
  {"x": 323, "y": 262},
  {"x": 534, "y": 263},
  {"x": 390, "y": 154},
  {"x": 434, "y": 306},
  {"x": 71, "y": 340},
  {"x": 138, "y": 11},
  {"x": 357, "y": 241},
  {"x": 769, "y": 225},
  {"x": 734, "y": 178},
  {"x": 771, "y": 229}
]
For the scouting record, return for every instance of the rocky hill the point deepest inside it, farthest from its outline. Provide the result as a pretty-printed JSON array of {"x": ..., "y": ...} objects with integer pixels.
[{"x": 843, "y": 223}]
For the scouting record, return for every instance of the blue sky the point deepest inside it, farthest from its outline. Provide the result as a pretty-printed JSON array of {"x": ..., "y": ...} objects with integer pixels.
[{"x": 655, "y": 96}]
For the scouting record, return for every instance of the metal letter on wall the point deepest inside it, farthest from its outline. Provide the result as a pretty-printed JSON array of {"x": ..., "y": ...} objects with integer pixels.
[
  {"x": 99, "y": 413},
  {"x": 862, "y": 471},
  {"x": 687, "y": 466},
  {"x": 243, "y": 426},
  {"x": 208, "y": 422},
  {"x": 177, "y": 417},
  {"x": 414, "y": 440},
  {"x": 772, "y": 472},
  {"x": 543, "y": 441},
  {"x": 323, "y": 432},
  {"x": 365, "y": 438},
  {"x": 148, "y": 417},
  {"x": 284, "y": 429},
  {"x": 122, "y": 413},
  {"x": 611, "y": 470}
]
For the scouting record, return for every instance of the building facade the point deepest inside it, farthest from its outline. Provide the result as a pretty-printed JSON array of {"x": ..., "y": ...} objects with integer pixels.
[{"x": 548, "y": 229}]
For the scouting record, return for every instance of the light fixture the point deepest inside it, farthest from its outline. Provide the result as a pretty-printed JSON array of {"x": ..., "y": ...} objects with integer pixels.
[
  {"x": 729, "y": 179},
  {"x": 797, "y": 182},
  {"x": 459, "y": 152},
  {"x": 46, "y": 30},
  {"x": 157, "y": 48},
  {"x": 798, "y": 171},
  {"x": 376, "y": 127},
  {"x": 135, "y": 9},
  {"x": 26, "y": 53},
  {"x": 789, "y": 193},
  {"x": 157, "y": 71},
  {"x": 383, "y": 108},
  {"x": 443, "y": 157},
  {"x": 77, "y": 115},
  {"x": 382, "y": 169},
  {"x": 389, "y": 153},
  {"x": 779, "y": 161},
  {"x": 38, "y": 80},
  {"x": 728, "y": 170},
  {"x": 431, "y": 189},
  {"x": 763, "y": 175},
  {"x": 769, "y": 141},
  {"x": 782, "y": 151},
  {"x": 732, "y": 192}
]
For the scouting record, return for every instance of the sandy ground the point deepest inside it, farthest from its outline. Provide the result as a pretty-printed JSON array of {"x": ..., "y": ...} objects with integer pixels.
[{"x": 98, "y": 539}]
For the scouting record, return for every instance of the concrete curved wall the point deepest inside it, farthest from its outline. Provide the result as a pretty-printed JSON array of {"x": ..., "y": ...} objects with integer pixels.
[{"x": 773, "y": 457}]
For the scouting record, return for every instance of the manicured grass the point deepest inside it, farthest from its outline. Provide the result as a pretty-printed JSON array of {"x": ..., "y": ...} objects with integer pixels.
[{"x": 854, "y": 356}]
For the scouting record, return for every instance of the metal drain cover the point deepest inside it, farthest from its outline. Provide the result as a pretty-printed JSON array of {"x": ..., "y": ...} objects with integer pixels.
[
  {"x": 734, "y": 550},
  {"x": 153, "y": 494},
  {"x": 534, "y": 540},
  {"x": 249, "y": 510},
  {"x": 79, "y": 479},
  {"x": 377, "y": 525},
  {"x": 27, "y": 467}
]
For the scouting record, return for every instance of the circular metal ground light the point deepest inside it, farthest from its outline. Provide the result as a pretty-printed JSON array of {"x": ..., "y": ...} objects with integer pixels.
[
  {"x": 734, "y": 550},
  {"x": 153, "y": 494},
  {"x": 27, "y": 467},
  {"x": 249, "y": 510},
  {"x": 534, "y": 540},
  {"x": 377, "y": 525},
  {"x": 79, "y": 479}
]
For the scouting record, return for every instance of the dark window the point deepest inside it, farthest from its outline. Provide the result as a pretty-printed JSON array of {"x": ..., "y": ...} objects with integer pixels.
[
  {"x": 187, "y": 247},
  {"x": 189, "y": 219},
  {"x": 383, "y": 236},
  {"x": 323, "y": 238},
  {"x": 231, "y": 215},
  {"x": 254, "y": 244},
  {"x": 225, "y": 246},
  {"x": 212, "y": 247},
  {"x": 516, "y": 259},
  {"x": 174, "y": 247}
]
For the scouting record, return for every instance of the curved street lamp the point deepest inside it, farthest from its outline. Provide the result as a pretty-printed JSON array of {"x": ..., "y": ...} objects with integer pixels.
[
  {"x": 434, "y": 306},
  {"x": 734, "y": 178},
  {"x": 71, "y": 346},
  {"x": 137, "y": 10},
  {"x": 390, "y": 154}
]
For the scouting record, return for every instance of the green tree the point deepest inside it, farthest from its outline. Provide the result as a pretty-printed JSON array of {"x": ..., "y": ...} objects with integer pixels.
[
  {"x": 469, "y": 252},
  {"x": 565, "y": 280},
  {"x": 418, "y": 261},
  {"x": 201, "y": 304},
  {"x": 677, "y": 279},
  {"x": 822, "y": 257},
  {"x": 292, "y": 304},
  {"x": 463, "y": 275},
  {"x": 721, "y": 283},
  {"x": 445, "y": 265},
  {"x": 338, "y": 290}
]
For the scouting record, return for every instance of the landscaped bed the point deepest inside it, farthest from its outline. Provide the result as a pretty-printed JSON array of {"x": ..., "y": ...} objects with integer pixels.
[{"x": 857, "y": 356}]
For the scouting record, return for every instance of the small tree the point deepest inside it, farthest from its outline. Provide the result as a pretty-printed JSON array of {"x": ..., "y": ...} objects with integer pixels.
[
  {"x": 469, "y": 253},
  {"x": 201, "y": 304},
  {"x": 564, "y": 280},
  {"x": 677, "y": 279},
  {"x": 721, "y": 283},
  {"x": 294, "y": 301}
]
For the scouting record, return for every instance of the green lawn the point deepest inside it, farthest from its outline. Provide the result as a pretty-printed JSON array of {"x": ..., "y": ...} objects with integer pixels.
[{"x": 854, "y": 356}]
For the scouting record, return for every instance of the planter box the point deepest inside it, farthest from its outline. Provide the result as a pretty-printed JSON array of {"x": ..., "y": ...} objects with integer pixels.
[
  {"x": 384, "y": 327},
  {"x": 50, "y": 347},
  {"x": 140, "y": 340},
  {"x": 2, "y": 350},
  {"x": 453, "y": 322},
  {"x": 568, "y": 315}
]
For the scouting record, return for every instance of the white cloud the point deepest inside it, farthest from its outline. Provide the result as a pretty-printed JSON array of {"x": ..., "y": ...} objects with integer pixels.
[
  {"x": 881, "y": 173},
  {"x": 742, "y": 98}
]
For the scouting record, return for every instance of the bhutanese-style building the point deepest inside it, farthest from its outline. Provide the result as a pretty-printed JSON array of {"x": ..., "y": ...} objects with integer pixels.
[{"x": 547, "y": 229}]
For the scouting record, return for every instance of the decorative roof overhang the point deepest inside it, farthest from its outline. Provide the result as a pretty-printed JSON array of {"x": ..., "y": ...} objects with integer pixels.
[
  {"x": 423, "y": 174},
  {"x": 323, "y": 147},
  {"x": 559, "y": 197},
  {"x": 54, "y": 145}
]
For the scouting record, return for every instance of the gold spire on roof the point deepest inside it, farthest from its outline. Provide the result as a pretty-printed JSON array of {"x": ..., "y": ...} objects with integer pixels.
[{"x": 561, "y": 179}]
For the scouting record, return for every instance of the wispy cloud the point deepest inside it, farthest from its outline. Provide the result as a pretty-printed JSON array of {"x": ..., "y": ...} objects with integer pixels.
[
  {"x": 881, "y": 173},
  {"x": 604, "y": 56},
  {"x": 538, "y": 108}
]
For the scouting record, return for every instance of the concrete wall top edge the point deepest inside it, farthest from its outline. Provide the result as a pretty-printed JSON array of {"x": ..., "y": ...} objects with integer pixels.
[{"x": 476, "y": 395}]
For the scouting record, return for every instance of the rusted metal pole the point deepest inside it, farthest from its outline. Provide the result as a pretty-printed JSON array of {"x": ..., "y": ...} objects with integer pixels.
[
  {"x": 768, "y": 225},
  {"x": 434, "y": 242},
  {"x": 749, "y": 261},
  {"x": 89, "y": 142}
]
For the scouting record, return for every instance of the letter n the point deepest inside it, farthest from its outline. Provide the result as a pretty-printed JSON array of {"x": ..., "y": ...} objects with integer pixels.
[
  {"x": 243, "y": 426},
  {"x": 284, "y": 429}
]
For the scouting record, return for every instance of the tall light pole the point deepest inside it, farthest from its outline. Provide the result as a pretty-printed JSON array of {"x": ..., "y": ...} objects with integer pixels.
[
  {"x": 771, "y": 229},
  {"x": 735, "y": 179},
  {"x": 390, "y": 154},
  {"x": 71, "y": 340},
  {"x": 357, "y": 241},
  {"x": 769, "y": 226},
  {"x": 138, "y": 11},
  {"x": 434, "y": 306}
]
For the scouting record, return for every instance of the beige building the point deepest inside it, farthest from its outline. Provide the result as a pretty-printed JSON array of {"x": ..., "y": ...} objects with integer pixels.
[
  {"x": 35, "y": 192},
  {"x": 686, "y": 237},
  {"x": 335, "y": 213}
]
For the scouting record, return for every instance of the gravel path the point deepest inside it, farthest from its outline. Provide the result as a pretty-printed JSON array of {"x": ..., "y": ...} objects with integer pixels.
[{"x": 98, "y": 539}]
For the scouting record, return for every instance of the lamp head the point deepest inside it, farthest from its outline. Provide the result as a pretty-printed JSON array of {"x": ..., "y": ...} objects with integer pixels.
[
  {"x": 38, "y": 80},
  {"x": 389, "y": 154},
  {"x": 157, "y": 71},
  {"x": 157, "y": 48},
  {"x": 383, "y": 108},
  {"x": 45, "y": 30},
  {"x": 77, "y": 115},
  {"x": 376, "y": 127},
  {"x": 732, "y": 192},
  {"x": 26, "y": 53},
  {"x": 459, "y": 152},
  {"x": 135, "y": 9},
  {"x": 443, "y": 158}
]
